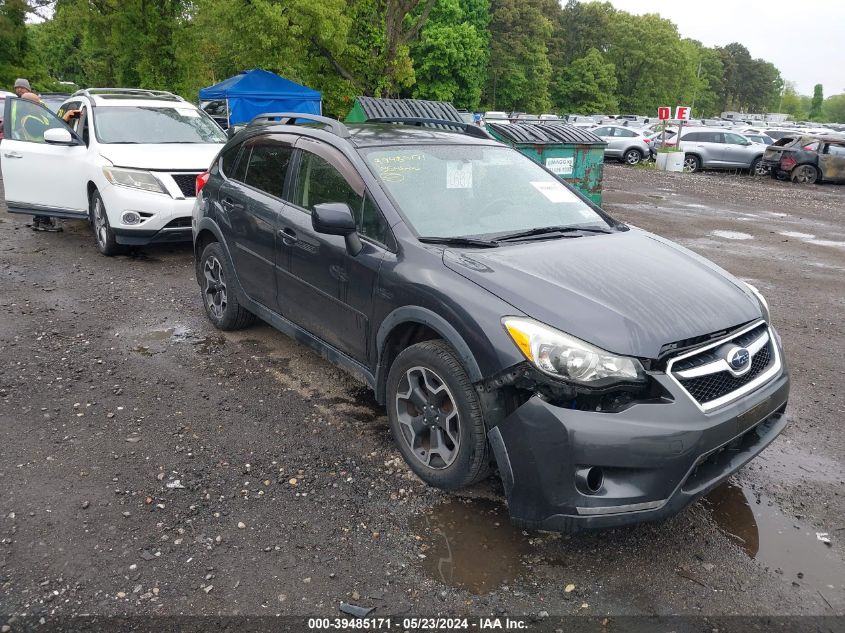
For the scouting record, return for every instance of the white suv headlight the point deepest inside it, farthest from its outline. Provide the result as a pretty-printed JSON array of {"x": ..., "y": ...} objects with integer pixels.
[
  {"x": 134, "y": 178},
  {"x": 568, "y": 358}
]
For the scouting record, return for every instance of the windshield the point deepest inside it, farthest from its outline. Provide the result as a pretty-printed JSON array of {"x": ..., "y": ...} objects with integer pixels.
[
  {"x": 155, "y": 125},
  {"x": 482, "y": 191}
]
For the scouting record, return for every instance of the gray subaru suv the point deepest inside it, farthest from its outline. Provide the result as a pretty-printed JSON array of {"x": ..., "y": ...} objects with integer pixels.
[{"x": 504, "y": 321}]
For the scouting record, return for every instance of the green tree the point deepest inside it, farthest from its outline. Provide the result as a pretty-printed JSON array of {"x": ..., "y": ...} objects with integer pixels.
[
  {"x": 13, "y": 39},
  {"x": 519, "y": 74},
  {"x": 450, "y": 60},
  {"x": 587, "y": 85},
  {"x": 834, "y": 108},
  {"x": 790, "y": 102},
  {"x": 817, "y": 102}
]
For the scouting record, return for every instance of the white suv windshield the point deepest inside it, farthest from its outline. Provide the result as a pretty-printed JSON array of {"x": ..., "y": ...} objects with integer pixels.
[
  {"x": 154, "y": 125},
  {"x": 465, "y": 190}
]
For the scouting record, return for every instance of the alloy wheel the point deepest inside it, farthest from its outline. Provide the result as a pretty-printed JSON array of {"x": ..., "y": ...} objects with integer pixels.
[
  {"x": 632, "y": 157},
  {"x": 805, "y": 175},
  {"x": 760, "y": 169},
  {"x": 690, "y": 164},
  {"x": 428, "y": 418},
  {"x": 215, "y": 287},
  {"x": 100, "y": 226}
]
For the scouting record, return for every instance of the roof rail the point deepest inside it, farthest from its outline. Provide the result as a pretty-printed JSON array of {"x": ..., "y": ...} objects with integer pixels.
[
  {"x": 289, "y": 118},
  {"x": 89, "y": 92},
  {"x": 465, "y": 128}
]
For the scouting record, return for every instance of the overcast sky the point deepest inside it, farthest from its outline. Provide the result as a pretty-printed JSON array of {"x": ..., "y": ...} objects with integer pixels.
[{"x": 805, "y": 40}]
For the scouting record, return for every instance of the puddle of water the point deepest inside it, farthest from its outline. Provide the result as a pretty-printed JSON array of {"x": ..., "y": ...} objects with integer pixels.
[
  {"x": 471, "y": 545},
  {"x": 732, "y": 235},
  {"x": 777, "y": 542},
  {"x": 154, "y": 342},
  {"x": 797, "y": 235}
]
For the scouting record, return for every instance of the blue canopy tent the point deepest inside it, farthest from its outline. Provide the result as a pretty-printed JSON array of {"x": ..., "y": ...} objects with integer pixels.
[{"x": 257, "y": 91}]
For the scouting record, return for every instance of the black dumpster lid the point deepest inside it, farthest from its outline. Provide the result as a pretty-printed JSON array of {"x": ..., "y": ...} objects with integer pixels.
[
  {"x": 375, "y": 108},
  {"x": 545, "y": 133}
]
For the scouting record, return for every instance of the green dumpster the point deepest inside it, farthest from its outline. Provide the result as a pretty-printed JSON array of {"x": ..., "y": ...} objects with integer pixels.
[
  {"x": 367, "y": 108},
  {"x": 574, "y": 154}
]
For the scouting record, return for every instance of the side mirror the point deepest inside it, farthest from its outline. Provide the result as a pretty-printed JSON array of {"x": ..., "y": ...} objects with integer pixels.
[
  {"x": 335, "y": 218},
  {"x": 59, "y": 136}
]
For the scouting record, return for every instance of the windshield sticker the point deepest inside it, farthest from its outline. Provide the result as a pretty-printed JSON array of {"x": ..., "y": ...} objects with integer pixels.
[
  {"x": 560, "y": 166},
  {"x": 458, "y": 174},
  {"x": 554, "y": 191},
  {"x": 394, "y": 167},
  {"x": 188, "y": 112},
  {"x": 395, "y": 173}
]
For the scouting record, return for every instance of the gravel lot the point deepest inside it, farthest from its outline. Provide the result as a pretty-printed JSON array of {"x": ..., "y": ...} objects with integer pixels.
[{"x": 151, "y": 465}]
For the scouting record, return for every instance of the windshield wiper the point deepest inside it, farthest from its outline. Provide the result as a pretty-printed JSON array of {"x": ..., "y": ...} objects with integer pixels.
[
  {"x": 548, "y": 230},
  {"x": 458, "y": 241}
]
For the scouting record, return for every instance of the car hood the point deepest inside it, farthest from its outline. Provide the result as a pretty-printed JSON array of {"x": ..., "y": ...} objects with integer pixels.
[
  {"x": 629, "y": 293},
  {"x": 164, "y": 156}
]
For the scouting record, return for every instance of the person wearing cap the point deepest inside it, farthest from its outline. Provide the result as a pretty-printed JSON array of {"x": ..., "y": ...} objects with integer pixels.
[{"x": 22, "y": 86}]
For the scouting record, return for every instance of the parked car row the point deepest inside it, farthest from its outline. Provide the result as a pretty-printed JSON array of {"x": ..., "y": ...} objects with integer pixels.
[{"x": 500, "y": 317}]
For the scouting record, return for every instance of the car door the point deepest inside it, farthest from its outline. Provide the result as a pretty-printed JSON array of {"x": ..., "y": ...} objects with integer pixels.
[
  {"x": 324, "y": 289},
  {"x": 736, "y": 152},
  {"x": 832, "y": 162},
  {"x": 40, "y": 177},
  {"x": 251, "y": 202},
  {"x": 606, "y": 134}
]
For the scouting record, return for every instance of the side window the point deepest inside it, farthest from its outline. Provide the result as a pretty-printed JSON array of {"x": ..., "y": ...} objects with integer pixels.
[
  {"x": 240, "y": 171},
  {"x": 811, "y": 147},
  {"x": 834, "y": 150},
  {"x": 602, "y": 131},
  {"x": 319, "y": 182},
  {"x": 229, "y": 160},
  {"x": 268, "y": 166},
  {"x": 371, "y": 222},
  {"x": 28, "y": 121},
  {"x": 734, "y": 139},
  {"x": 67, "y": 107},
  {"x": 625, "y": 133},
  {"x": 692, "y": 137}
]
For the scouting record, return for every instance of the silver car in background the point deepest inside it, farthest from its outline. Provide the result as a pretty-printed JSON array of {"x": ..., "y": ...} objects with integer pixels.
[
  {"x": 625, "y": 144},
  {"x": 715, "y": 148}
]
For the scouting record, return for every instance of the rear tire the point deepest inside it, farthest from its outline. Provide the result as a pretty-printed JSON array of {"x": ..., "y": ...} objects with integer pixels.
[
  {"x": 436, "y": 417},
  {"x": 221, "y": 303},
  {"x": 804, "y": 175},
  {"x": 103, "y": 234},
  {"x": 632, "y": 157}
]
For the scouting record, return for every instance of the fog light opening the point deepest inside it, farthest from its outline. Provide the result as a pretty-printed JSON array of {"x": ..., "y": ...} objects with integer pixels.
[
  {"x": 131, "y": 218},
  {"x": 589, "y": 480}
]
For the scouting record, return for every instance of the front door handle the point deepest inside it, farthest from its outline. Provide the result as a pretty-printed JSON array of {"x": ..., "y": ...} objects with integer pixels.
[
  {"x": 12, "y": 155},
  {"x": 230, "y": 205},
  {"x": 288, "y": 236}
]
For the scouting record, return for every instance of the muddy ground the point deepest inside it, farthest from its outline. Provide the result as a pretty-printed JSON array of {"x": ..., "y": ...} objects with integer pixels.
[{"x": 151, "y": 465}]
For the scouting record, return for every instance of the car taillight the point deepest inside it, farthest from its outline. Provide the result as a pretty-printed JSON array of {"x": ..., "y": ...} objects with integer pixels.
[
  {"x": 202, "y": 179},
  {"x": 787, "y": 163},
  {"x": 647, "y": 140}
]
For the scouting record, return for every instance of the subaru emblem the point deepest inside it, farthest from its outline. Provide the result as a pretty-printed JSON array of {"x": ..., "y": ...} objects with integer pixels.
[{"x": 738, "y": 359}]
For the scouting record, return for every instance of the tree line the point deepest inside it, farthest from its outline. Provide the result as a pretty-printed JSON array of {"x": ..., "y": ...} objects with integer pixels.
[{"x": 514, "y": 55}]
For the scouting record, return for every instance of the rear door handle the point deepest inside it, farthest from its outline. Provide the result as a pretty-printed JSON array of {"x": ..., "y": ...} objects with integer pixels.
[
  {"x": 288, "y": 236},
  {"x": 12, "y": 155}
]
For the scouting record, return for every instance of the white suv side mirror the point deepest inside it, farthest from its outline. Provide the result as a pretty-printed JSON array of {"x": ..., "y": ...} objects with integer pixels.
[{"x": 59, "y": 136}]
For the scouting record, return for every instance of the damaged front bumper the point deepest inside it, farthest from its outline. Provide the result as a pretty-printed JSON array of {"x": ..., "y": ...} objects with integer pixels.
[{"x": 567, "y": 469}]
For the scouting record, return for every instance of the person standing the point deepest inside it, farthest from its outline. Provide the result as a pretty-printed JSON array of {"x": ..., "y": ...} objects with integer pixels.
[{"x": 39, "y": 222}]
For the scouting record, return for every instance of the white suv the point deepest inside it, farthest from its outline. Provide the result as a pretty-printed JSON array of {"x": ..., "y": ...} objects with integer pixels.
[{"x": 127, "y": 162}]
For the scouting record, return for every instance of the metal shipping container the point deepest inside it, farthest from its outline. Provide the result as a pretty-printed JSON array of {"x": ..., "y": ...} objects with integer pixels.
[{"x": 573, "y": 154}]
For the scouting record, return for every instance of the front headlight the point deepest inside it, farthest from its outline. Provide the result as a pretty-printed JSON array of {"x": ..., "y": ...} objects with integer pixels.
[
  {"x": 134, "y": 178},
  {"x": 568, "y": 358},
  {"x": 764, "y": 305}
]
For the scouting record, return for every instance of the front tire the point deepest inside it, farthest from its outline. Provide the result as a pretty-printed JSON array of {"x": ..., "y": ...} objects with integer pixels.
[
  {"x": 758, "y": 168},
  {"x": 218, "y": 296},
  {"x": 436, "y": 417},
  {"x": 632, "y": 157},
  {"x": 103, "y": 233}
]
